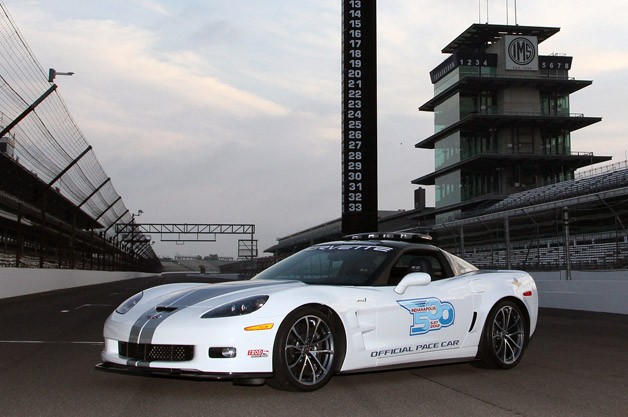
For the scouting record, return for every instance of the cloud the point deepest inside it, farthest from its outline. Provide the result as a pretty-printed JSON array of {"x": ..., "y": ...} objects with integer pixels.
[
  {"x": 126, "y": 55},
  {"x": 230, "y": 111},
  {"x": 152, "y": 6}
]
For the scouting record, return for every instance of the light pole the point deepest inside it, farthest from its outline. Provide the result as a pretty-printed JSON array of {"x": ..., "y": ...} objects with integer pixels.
[
  {"x": 52, "y": 74},
  {"x": 133, "y": 232}
]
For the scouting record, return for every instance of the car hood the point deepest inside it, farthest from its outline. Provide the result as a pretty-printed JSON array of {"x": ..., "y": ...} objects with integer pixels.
[{"x": 209, "y": 295}]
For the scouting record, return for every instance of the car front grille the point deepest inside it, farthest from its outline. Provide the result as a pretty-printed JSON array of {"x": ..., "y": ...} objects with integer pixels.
[{"x": 147, "y": 352}]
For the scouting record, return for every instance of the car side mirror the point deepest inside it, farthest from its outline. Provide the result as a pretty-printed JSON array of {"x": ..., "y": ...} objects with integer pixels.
[{"x": 413, "y": 279}]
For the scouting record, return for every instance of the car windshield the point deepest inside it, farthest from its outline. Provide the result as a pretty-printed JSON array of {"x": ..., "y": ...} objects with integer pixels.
[{"x": 333, "y": 264}]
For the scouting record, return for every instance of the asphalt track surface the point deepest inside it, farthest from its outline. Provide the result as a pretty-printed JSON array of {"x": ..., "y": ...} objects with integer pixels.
[{"x": 576, "y": 365}]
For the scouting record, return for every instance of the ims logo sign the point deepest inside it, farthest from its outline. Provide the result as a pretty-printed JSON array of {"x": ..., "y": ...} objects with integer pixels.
[{"x": 521, "y": 53}]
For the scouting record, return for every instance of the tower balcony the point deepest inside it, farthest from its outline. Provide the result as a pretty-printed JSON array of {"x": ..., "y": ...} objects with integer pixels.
[
  {"x": 482, "y": 122},
  {"x": 485, "y": 83},
  {"x": 536, "y": 162}
]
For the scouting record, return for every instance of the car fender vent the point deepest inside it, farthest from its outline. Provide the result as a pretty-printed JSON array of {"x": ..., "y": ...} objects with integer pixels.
[{"x": 475, "y": 317}]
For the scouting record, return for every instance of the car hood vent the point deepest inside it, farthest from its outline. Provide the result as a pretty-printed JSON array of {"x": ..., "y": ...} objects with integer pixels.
[{"x": 166, "y": 309}]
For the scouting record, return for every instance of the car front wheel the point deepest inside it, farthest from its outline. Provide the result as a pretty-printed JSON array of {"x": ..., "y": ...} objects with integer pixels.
[
  {"x": 504, "y": 337},
  {"x": 304, "y": 357}
]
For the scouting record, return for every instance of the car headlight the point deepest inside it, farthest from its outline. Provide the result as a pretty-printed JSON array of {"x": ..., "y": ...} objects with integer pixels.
[
  {"x": 237, "y": 308},
  {"x": 130, "y": 303}
]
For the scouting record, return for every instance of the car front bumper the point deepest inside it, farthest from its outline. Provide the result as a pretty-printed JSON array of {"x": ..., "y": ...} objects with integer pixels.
[{"x": 178, "y": 373}]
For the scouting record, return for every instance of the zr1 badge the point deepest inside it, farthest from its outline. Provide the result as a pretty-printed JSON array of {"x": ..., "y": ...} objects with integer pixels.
[{"x": 429, "y": 314}]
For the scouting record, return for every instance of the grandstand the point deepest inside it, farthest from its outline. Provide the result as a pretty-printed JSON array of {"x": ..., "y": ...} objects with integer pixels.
[
  {"x": 586, "y": 183},
  {"x": 58, "y": 207},
  {"x": 577, "y": 224},
  {"x": 546, "y": 254},
  {"x": 208, "y": 264}
]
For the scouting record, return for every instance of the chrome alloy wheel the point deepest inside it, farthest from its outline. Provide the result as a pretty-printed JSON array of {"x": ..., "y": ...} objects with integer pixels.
[
  {"x": 508, "y": 335},
  {"x": 309, "y": 350}
]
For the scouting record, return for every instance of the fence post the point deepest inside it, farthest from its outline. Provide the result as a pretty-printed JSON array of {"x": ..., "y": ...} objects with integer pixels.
[
  {"x": 567, "y": 246},
  {"x": 462, "y": 254},
  {"x": 507, "y": 239}
]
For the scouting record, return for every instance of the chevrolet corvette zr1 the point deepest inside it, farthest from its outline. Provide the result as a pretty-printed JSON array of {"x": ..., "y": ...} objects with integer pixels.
[{"x": 365, "y": 303}]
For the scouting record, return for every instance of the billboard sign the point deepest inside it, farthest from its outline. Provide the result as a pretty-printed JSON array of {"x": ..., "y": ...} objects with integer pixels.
[
  {"x": 521, "y": 53},
  {"x": 359, "y": 116}
]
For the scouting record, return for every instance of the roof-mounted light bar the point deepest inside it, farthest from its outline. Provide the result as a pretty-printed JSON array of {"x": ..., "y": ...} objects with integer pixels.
[{"x": 400, "y": 236}]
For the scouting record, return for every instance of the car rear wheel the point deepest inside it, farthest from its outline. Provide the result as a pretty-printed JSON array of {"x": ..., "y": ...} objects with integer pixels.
[
  {"x": 304, "y": 355},
  {"x": 505, "y": 336}
]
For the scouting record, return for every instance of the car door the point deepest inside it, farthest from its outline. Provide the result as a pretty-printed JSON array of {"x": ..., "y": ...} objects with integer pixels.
[{"x": 425, "y": 319}]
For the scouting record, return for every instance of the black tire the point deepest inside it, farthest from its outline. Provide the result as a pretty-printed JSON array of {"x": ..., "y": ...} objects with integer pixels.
[
  {"x": 504, "y": 337},
  {"x": 306, "y": 351}
]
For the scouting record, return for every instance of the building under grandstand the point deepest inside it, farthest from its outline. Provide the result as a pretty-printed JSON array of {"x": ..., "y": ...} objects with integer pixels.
[{"x": 507, "y": 191}]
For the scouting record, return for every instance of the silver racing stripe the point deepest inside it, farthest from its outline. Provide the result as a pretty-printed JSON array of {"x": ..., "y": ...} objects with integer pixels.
[{"x": 144, "y": 327}]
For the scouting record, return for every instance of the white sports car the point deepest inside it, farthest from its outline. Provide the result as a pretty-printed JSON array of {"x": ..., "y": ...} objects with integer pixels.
[{"x": 369, "y": 302}]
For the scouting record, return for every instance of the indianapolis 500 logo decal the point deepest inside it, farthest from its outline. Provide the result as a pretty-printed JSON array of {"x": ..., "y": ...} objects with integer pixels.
[{"x": 429, "y": 314}]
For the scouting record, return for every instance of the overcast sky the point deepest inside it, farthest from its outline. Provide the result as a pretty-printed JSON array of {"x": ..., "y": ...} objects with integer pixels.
[{"x": 228, "y": 111}]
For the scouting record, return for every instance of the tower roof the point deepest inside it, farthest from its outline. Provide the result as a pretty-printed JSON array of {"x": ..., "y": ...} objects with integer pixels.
[{"x": 481, "y": 34}]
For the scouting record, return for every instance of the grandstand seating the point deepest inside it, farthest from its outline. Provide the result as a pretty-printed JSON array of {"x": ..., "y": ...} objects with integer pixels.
[
  {"x": 561, "y": 190},
  {"x": 209, "y": 266},
  {"x": 597, "y": 226},
  {"x": 548, "y": 254},
  {"x": 171, "y": 266}
]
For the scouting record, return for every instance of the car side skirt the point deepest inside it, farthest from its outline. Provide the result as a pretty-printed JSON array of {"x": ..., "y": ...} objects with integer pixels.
[{"x": 418, "y": 364}]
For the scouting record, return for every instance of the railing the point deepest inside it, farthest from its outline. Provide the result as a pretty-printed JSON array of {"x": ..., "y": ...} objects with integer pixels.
[
  {"x": 602, "y": 170},
  {"x": 537, "y": 114},
  {"x": 526, "y": 77}
]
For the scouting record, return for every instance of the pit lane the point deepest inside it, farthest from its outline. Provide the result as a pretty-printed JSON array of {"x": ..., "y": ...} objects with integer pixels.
[{"x": 576, "y": 365}]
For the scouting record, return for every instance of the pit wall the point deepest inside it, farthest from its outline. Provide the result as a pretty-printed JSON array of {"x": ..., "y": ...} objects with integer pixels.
[
  {"x": 22, "y": 281},
  {"x": 601, "y": 291}
]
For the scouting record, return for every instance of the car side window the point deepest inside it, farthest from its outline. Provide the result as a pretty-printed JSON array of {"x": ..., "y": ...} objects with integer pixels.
[{"x": 416, "y": 262}]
